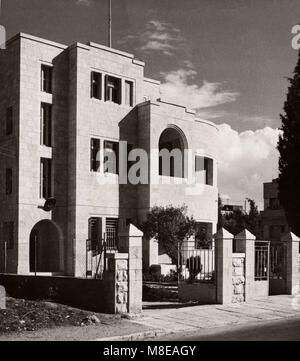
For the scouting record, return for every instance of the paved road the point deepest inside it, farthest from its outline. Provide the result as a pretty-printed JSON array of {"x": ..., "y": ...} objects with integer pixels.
[{"x": 280, "y": 330}]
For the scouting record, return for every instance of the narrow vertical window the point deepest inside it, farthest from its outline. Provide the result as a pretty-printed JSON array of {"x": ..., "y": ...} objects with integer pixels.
[
  {"x": 111, "y": 233},
  {"x": 8, "y": 180},
  {"x": 46, "y": 79},
  {"x": 95, "y": 233},
  {"x": 46, "y": 124},
  {"x": 111, "y": 157},
  {"x": 45, "y": 178},
  {"x": 129, "y": 93},
  {"x": 9, "y": 121},
  {"x": 204, "y": 170},
  {"x": 95, "y": 158},
  {"x": 112, "y": 89},
  {"x": 96, "y": 81},
  {"x": 8, "y": 234}
]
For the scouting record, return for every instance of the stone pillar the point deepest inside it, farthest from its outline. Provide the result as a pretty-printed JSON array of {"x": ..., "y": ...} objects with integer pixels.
[
  {"x": 117, "y": 278},
  {"x": 223, "y": 265},
  {"x": 245, "y": 243},
  {"x": 292, "y": 262},
  {"x": 130, "y": 241}
]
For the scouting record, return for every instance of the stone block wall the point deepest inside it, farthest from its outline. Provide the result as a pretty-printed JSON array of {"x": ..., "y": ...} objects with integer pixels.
[
  {"x": 238, "y": 277},
  {"x": 118, "y": 275}
]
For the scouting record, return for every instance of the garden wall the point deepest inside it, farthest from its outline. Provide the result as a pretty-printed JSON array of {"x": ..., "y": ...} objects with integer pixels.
[{"x": 90, "y": 294}]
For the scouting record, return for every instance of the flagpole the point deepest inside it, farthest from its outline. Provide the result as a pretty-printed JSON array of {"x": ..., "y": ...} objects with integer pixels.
[{"x": 109, "y": 23}]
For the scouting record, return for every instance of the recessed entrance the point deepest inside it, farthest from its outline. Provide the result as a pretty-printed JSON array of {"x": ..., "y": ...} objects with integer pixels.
[{"x": 44, "y": 247}]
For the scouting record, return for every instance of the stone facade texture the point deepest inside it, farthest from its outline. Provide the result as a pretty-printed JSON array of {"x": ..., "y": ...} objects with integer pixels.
[
  {"x": 76, "y": 118},
  {"x": 238, "y": 278}
]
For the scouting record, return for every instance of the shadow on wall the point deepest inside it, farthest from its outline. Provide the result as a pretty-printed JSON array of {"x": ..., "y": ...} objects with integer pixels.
[{"x": 89, "y": 294}]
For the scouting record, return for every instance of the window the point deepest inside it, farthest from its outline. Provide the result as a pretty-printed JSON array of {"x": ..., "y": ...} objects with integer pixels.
[
  {"x": 203, "y": 235},
  {"x": 95, "y": 233},
  {"x": 112, "y": 89},
  {"x": 274, "y": 203},
  {"x": 46, "y": 124},
  {"x": 46, "y": 79},
  {"x": 45, "y": 178},
  {"x": 9, "y": 121},
  {"x": 8, "y": 180},
  {"x": 129, "y": 93},
  {"x": 111, "y": 233},
  {"x": 171, "y": 153},
  {"x": 111, "y": 157},
  {"x": 95, "y": 149},
  {"x": 96, "y": 81},
  {"x": 204, "y": 170},
  {"x": 8, "y": 234}
]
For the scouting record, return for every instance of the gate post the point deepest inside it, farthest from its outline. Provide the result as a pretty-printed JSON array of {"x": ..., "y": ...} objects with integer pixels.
[
  {"x": 245, "y": 243},
  {"x": 292, "y": 262},
  {"x": 130, "y": 241},
  {"x": 223, "y": 262}
]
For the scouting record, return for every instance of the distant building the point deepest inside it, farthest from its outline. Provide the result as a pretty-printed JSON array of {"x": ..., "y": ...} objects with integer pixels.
[
  {"x": 273, "y": 221},
  {"x": 229, "y": 208}
]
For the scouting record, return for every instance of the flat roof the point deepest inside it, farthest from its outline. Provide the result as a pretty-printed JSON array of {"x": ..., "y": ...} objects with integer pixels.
[{"x": 63, "y": 46}]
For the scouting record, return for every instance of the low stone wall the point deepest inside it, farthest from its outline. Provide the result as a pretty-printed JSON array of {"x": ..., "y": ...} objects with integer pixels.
[
  {"x": 238, "y": 277},
  {"x": 202, "y": 292},
  {"x": 91, "y": 294}
]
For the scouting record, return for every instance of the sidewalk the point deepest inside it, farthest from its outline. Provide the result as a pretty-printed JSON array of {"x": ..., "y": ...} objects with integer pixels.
[
  {"x": 187, "y": 319},
  {"x": 163, "y": 318}
]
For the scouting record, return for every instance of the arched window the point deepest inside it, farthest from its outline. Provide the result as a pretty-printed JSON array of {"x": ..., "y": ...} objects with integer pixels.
[{"x": 172, "y": 144}]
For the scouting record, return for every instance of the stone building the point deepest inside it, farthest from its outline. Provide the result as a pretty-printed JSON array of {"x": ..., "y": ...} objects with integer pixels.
[
  {"x": 59, "y": 106},
  {"x": 273, "y": 222}
]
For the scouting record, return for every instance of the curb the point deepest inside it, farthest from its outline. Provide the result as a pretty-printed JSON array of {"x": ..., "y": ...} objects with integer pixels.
[{"x": 138, "y": 336}]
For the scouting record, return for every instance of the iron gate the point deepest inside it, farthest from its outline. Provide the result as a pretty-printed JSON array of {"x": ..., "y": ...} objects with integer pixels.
[
  {"x": 95, "y": 258},
  {"x": 278, "y": 264},
  {"x": 262, "y": 249},
  {"x": 197, "y": 265}
]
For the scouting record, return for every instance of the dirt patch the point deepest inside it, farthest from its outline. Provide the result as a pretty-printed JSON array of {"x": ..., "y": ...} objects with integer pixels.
[{"x": 22, "y": 315}]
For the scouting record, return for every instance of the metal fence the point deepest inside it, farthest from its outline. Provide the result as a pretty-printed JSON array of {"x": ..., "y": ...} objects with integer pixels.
[
  {"x": 278, "y": 264},
  {"x": 96, "y": 262},
  {"x": 198, "y": 265},
  {"x": 262, "y": 260}
]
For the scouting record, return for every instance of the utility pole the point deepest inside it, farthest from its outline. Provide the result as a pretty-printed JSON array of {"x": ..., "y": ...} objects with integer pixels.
[{"x": 109, "y": 23}]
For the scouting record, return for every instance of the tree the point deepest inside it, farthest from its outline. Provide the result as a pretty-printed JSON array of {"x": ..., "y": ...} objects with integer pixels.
[
  {"x": 289, "y": 150},
  {"x": 220, "y": 216},
  {"x": 237, "y": 220},
  {"x": 170, "y": 226}
]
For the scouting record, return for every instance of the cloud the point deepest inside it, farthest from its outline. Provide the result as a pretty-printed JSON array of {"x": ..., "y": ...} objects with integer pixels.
[
  {"x": 176, "y": 87},
  {"x": 159, "y": 37},
  {"x": 83, "y": 2},
  {"x": 245, "y": 161}
]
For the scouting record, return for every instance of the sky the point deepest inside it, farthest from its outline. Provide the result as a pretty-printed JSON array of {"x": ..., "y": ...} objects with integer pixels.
[{"x": 227, "y": 59}]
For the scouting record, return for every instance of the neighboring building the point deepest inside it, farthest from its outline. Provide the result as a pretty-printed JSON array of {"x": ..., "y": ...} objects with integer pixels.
[
  {"x": 230, "y": 208},
  {"x": 59, "y": 106},
  {"x": 273, "y": 221}
]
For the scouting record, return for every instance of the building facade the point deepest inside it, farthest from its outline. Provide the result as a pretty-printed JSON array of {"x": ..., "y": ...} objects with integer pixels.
[
  {"x": 60, "y": 106},
  {"x": 273, "y": 220}
]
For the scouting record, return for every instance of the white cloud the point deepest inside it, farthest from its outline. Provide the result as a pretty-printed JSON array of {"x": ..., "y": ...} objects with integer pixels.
[
  {"x": 154, "y": 45},
  {"x": 246, "y": 160},
  {"x": 176, "y": 88},
  {"x": 158, "y": 37},
  {"x": 83, "y": 2}
]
